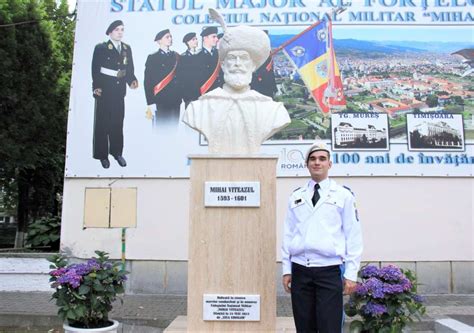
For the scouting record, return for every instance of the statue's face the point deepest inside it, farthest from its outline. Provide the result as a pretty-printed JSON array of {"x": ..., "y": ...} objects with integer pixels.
[{"x": 238, "y": 67}]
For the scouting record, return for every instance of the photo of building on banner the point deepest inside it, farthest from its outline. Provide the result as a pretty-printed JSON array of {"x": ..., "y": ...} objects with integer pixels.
[{"x": 312, "y": 53}]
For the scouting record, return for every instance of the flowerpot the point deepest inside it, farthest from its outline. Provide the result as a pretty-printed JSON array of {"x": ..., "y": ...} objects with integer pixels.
[{"x": 109, "y": 329}]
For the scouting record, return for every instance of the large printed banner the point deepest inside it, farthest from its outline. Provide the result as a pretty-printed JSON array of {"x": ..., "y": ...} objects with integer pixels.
[{"x": 405, "y": 66}]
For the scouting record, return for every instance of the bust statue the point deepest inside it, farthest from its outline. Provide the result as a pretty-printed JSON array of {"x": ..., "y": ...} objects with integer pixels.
[{"x": 235, "y": 119}]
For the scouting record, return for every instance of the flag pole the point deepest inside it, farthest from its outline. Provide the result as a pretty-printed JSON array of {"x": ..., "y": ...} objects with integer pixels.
[{"x": 334, "y": 11}]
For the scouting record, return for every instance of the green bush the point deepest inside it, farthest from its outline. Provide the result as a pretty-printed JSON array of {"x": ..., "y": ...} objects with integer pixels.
[{"x": 44, "y": 232}]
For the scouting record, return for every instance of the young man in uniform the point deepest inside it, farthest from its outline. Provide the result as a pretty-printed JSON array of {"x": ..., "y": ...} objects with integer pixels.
[
  {"x": 112, "y": 67},
  {"x": 322, "y": 247},
  {"x": 187, "y": 74},
  {"x": 161, "y": 87},
  {"x": 208, "y": 63}
]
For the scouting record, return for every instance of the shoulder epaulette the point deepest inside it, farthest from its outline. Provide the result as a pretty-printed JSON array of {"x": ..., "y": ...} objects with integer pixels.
[
  {"x": 347, "y": 188},
  {"x": 296, "y": 189}
]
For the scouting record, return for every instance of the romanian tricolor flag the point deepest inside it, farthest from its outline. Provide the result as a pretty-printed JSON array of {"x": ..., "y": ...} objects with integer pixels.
[{"x": 312, "y": 53}]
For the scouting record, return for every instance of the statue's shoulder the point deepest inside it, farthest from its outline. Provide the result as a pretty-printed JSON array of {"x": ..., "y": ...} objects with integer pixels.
[{"x": 213, "y": 94}]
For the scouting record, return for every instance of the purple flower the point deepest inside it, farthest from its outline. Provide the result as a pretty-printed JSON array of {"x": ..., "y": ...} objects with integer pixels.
[
  {"x": 107, "y": 265},
  {"x": 374, "y": 309},
  {"x": 58, "y": 272},
  {"x": 369, "y": 271},
  {"x": 93, "y": 265},
  {"x": 393, "y": 288},
  {"x": 390, "y": 273},
  {"x": 375, "y": 287},
  {"x": 70, "y": 277},
  {"x": 418, "y": 298},
  {"x": 406, "y": 284},
  {"x": 361, "y": 289}
]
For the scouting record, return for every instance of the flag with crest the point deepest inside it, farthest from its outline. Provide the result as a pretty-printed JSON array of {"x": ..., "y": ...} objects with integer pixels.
[{"x": 312, "y": 53}]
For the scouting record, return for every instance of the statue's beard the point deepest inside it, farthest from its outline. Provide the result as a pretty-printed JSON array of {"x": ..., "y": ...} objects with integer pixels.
[{"x": 237, "y": 79}]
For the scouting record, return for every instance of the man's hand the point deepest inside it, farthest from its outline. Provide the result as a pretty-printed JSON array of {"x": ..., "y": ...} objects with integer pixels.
[
  {"x": 349, "y": 286},
  {"x": 134, "y": 84},
  {"x": 98, "y": 92},
  {"x": 287, "y": 282}
]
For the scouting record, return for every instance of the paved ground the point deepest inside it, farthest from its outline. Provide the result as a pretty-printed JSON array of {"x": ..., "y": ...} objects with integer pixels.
[{"x": 34, "y": 312}]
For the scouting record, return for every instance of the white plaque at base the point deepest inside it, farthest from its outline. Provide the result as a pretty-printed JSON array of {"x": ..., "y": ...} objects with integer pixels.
[
  {"x": 231, "y": 307},
  {"x": 232, "y": 194}
]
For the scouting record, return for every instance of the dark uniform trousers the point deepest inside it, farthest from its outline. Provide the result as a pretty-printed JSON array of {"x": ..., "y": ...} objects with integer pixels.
[
  {"x": 109, "y": 107},
  {"x": 109, "y": 112},
  {"x": 316, "y": 298},
  {"x": 158, "y": 67}
]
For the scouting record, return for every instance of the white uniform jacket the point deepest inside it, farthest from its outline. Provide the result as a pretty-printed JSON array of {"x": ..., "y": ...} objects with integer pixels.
[{"x": 324, "y": 235}]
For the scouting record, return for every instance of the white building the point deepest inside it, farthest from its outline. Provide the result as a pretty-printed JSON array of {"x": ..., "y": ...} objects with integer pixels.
[
  {"x": 437, "y": 131},
  {"x": 345, "y": 133}
]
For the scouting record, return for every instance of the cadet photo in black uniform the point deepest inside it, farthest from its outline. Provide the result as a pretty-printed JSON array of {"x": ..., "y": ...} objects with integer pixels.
[
  {"x": 186, "y": 73},
  {"x": 112, "y": 67},
  {"x": 263, "y": 79},
  {"x": 210, "y": 76},
  {"x": 161, "y": 87}
]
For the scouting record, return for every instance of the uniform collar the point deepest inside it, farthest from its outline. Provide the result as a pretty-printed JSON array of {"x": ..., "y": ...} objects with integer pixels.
[
  {"x": 323, "y": 185},
  {"x": 210, "y": 51},
  {"x": 114, "y": 43},
  {"x": 165, "y": 51}
]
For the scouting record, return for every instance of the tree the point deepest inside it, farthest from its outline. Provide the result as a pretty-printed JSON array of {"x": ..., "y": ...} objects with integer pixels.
[
  {"x": 432, "y": 101},
  {"x": 36, "y": 39}
]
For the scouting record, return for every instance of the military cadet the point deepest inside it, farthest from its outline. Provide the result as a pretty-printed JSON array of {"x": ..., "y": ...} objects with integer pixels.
[
  {"x": 186, "y": 73},
  {"x": 209, "y": 71},
  {"x": 112, "y": 67},
  {"x": 161, "y": 87},
  {"x": 263, "y": 79},
  {"x": 191, "y": 42},
  {"x": 322, "y": 247}
]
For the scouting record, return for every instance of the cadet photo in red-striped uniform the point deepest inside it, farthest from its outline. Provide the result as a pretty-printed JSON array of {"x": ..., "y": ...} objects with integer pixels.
[{"x": 161, "y": 87}]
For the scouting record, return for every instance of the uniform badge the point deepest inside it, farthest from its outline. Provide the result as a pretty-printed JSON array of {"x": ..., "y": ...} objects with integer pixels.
[
  {"x": 297, "y": 202},
  {"x": 124, "y": 46},
  {"x": 110, "y": 47},
  {"x": 125, "y": 60}
]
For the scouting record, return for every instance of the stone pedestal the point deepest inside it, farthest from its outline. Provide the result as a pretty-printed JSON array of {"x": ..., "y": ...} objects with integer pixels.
[{"x": 232, "y": 249}]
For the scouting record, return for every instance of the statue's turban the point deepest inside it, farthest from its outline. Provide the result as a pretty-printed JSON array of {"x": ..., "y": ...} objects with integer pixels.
[{"x": 250, "y": 39}]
